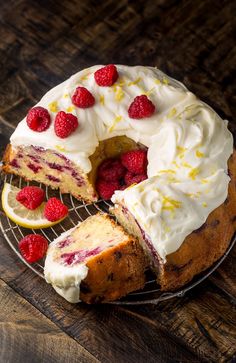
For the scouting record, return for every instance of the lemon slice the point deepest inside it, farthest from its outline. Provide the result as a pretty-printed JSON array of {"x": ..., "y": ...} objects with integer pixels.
[{"x": 19, "y": 214}]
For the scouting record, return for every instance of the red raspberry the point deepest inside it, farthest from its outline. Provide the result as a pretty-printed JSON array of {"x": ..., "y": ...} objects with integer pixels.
[
  {"x": 33, "y": 247},
  {"x": 31, "y": 197},
  {"x": 111, "y": 169},
  {"x": 55, "y": 210},
  {"x": 65, "y": 124},
  {"x": 106, "y": 76},
  {"x": 106, "y": 188},
  {"x": 141, "y": 107},
  {"x": 135, "y": 161},
  {"x": 130, "y": 178},
  {"x": 38, "y": 119},
  {"x": 83, "y": 98}
]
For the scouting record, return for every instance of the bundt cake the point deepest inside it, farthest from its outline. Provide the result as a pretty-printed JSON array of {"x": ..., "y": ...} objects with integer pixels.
[
  {"x": 180, "y": 214},
  {"x": 97, "y": 261}
]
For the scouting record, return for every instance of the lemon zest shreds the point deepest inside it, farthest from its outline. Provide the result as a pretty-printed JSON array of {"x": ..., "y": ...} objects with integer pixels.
[{"x": 53, "y": 106}]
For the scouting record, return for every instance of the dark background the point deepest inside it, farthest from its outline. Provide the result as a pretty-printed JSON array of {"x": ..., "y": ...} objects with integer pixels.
[{"x": 41, "y": 44}]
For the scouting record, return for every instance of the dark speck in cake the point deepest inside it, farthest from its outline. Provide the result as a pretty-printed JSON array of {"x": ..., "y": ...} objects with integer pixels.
[
  {"x": 14, "y": 163},
  {"x": 110, "y": 241},
  {"x": 200, "y": 229},
  {"x": 117, "y": 255},
  {"x": 110, "y": 277},
  {"x": 20, "y": 156},
  {"x": 84, "y": 288},
  {"x": 215, "y": 223},
  {"x": 34, "y": 168},
  {"x": 53, "y": 178},
  {"x": 88, "y": 235}
]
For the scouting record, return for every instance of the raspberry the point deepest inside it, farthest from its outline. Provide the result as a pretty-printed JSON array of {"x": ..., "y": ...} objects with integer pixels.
[
  {"x": 55, "y": 210},
  {"x": 30, "y": 197},
  {"x": 141, "y": 107},
  {"x": 33, "y": 247},
  {"x": 38, "y": 119},
  {"x": 83, "y": 98},
  {"x": 65, "y": 124},
  {"x": 135, "y": 161},
  {"x": 110, "y": 170},
  {"x": 106, "y": 76},
  {"x": 106, "y": 188},
  {"x": 130, "y": 178}
]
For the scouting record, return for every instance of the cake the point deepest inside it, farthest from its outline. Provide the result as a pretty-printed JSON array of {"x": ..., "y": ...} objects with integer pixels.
[
  {"x": 180, "y": 214},
  {"x": 96, "y": 261}
]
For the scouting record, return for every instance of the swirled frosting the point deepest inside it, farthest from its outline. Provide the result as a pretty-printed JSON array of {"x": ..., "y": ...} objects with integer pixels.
[{"x": 188, "y": 147}]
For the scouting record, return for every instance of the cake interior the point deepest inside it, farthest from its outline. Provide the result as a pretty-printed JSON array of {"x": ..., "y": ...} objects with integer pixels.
[
  {"x": 82, "y": 243},
  {"x": 129, "y": 223},
  {"x": 55, "y": 170}
]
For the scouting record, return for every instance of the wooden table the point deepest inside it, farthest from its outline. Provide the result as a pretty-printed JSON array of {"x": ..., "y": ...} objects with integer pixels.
[{"x": 42, "y": 43}]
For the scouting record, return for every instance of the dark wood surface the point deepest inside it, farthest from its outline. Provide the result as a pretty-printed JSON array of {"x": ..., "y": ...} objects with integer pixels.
[{"x": 42, "y": 43}]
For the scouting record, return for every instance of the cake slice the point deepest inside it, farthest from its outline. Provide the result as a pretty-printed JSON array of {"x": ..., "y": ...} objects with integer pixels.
[{"x": 96, "y": 261}]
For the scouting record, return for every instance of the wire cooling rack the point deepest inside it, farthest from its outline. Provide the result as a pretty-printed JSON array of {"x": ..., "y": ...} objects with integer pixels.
[{"x": 79, "y": 211}]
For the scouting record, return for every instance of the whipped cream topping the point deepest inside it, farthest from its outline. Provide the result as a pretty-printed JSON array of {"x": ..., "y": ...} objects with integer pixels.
[
  {"x": 188, "y": 147},
  {"x": 64, "y": 279}
]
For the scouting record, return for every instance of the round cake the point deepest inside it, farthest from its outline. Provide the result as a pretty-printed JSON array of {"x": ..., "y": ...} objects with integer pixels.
[{"x": 180, "y": 213}]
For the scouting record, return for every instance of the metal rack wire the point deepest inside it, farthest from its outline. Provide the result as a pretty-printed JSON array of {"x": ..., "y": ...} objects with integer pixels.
[{"x": 79, "y": 211}]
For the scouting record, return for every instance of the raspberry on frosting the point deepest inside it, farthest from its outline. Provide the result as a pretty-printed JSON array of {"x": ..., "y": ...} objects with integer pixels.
[
  {"x": 111, "y": 169},
  {"x": 31, "y": 197},
  {"x": 135, "y": 161},
  {"x": 65, "y": 124},
  {"x": 107, "y": 188},
  {"x": 33, "y": 247},
  {"x": 141, "y": 107},
  {"x": 55, "y": 210},
  {"x": 131, "y": 178},
  {"x": 83, "y": 98},
  {"x": 38, "y": 119},
  {"x": 106, "y": 76}
]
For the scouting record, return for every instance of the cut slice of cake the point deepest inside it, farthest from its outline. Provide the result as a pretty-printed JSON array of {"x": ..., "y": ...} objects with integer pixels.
[{"x": 96, "y": 261}]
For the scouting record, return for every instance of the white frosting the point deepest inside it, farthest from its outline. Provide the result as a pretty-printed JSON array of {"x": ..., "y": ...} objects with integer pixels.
[
  {"x": 189, "y": 145},
  {"x": 65, "y": 279}
]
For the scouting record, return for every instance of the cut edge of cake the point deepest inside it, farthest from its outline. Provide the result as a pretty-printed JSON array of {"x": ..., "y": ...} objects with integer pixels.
[{"x": 106, "y": 274}]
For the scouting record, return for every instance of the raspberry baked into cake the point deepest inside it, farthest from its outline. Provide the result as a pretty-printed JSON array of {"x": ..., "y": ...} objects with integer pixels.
[{"x": 170, "y": 185}]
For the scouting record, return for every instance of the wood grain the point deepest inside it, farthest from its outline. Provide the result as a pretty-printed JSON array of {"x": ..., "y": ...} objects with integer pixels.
[
  {"x": 42, "y": 43},
  {"x": 37, "y": 339}
]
